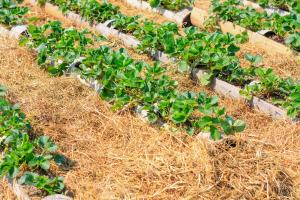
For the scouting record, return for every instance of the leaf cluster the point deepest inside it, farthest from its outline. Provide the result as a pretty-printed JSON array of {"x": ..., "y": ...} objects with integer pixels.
[
  {"x": 171, "y": 4},
  {"x": 215, "y": 51},
  {"x": 286, "y": 27},
  {"x": 22, "y": 155},
  {"x": 127, "y": 83},
  {"x": 11, "y": 14}
]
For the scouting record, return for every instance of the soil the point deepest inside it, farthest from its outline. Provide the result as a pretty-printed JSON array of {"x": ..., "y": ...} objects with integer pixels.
[{"x": 277, "y": 38}]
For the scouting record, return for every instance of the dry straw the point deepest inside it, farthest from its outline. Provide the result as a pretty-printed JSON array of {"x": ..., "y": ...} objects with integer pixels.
[{"x": 117, "y": 156}]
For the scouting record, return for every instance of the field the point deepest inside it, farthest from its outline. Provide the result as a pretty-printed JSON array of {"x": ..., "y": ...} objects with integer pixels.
[{"x": 153, "y": 99}]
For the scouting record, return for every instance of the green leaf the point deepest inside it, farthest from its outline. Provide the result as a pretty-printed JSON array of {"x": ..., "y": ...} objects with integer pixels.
[
  {"x": 45, "y": 143},
  {"x": 179, "y": 117},
  {"x": 233, "y": 49},
  {"x": 214, "y": 133},
  {"x": 13, "y": 172},
  {"x": 239, "y": 125},
  {"x": 183, "y": 67},
  {"x": 26, "y": 179},
  {"x": 45, "y": 165},
  {"x": 154, "y": 3},
  {"x": 254, "y": 59},
  {"x": 206, "y": 79},
  {"x": 190, "y": 131},
  {"x": 152, "y": 117}
]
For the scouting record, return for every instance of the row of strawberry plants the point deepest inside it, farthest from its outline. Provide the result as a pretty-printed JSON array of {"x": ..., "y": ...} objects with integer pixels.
[
  {"x": 129, "y": 83},
  {"x": 23, "y": 157},
  {"x": 290, "y": 5},
  {"x": 285, "y": 27},
  {"x": 10, "y": 13},
  {"x": 213, "y": 51},
  {"x": 171, "y": 4}
]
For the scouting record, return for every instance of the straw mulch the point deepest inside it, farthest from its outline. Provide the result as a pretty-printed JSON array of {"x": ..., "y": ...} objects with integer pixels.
[
  {"x": 5, "y": 192},
  {"x": 117, "y": 156}
]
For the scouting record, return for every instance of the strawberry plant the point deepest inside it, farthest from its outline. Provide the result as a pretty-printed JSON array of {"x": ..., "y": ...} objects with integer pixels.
[
  {"x": 171, "y": 4},
  {"x": 267, "y": 85},
  {"x": 215, "y": 52},
  {"x": 124, "y": 23},
  {"x": 22, "y": 155},
  {"x": 11, "y": 14},
  {"x": 91, "y": 10},
  {"x": 248, "y": 17},
  {"x": 128, "y": 83},
  {"x": 64, "y": 47},
  {"x": 290, "y": 5}
]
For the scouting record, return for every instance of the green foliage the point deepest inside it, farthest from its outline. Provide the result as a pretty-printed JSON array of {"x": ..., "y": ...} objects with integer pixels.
[
  {"x": 11, "y": 14},
  {"x": 267, "y": 85},
  {"x": 171, "y": 4},
  {"x": 291, "y": 5},
  {"x": 215, "y": 52},
  {"x": 21, "y": 152},
  {"x": 57, "y": 54},
  {"x": 51, "y": 186},
  {"x": 286, "y": 27},
  {"x": 126, "y": 82}
]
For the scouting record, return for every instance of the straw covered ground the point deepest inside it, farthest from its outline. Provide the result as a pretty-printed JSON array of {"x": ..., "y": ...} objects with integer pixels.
[{"x": 117, "y": 156}]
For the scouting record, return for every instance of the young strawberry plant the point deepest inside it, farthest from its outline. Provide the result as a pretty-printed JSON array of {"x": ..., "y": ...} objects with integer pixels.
[
  {"x": 267, "y": 85},
  {"x": 11, "y": 14},
  {"x": 290, "y": 5},
  {"x": 22, "y": 155},
  {"x": 128, "y": 83},
  {"x": 214, "y": 52},
  {"x": 285, "y": 27},
  {"x": 59, "y": 52},
  {"x": 171, "y": 4},
  {"x": 91, "y": 10}
]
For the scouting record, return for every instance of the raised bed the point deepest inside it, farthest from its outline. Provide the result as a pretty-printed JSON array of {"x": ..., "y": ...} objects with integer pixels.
[
  {"x": 232, "y": 91},
  {"x": 219, "y": 86},
  {"x": 269, "y": 10},
  {"x": 180, "y": 17},
  {"x": 199, "y": 16},
  {"x": 18, "y": 189},
  {"x": 104, "y": 29}
]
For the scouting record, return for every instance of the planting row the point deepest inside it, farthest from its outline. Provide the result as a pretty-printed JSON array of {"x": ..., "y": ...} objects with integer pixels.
[
  {"x": 221, "y": 62},
  {"x": 126, "y": 83},
  {"x": 10, "y": 13},
  {"x": 122, "y": 83},
  {"x": 287, "y": 88},
  {"x": 214, "y": 52},
  {"x": 290, "y": 5},
  {"x": 286, "y": 27},
  {"x": 180, "y": 16},
  {"x": 171, "y": 4},
  {"x": 22, "y": 157}
]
